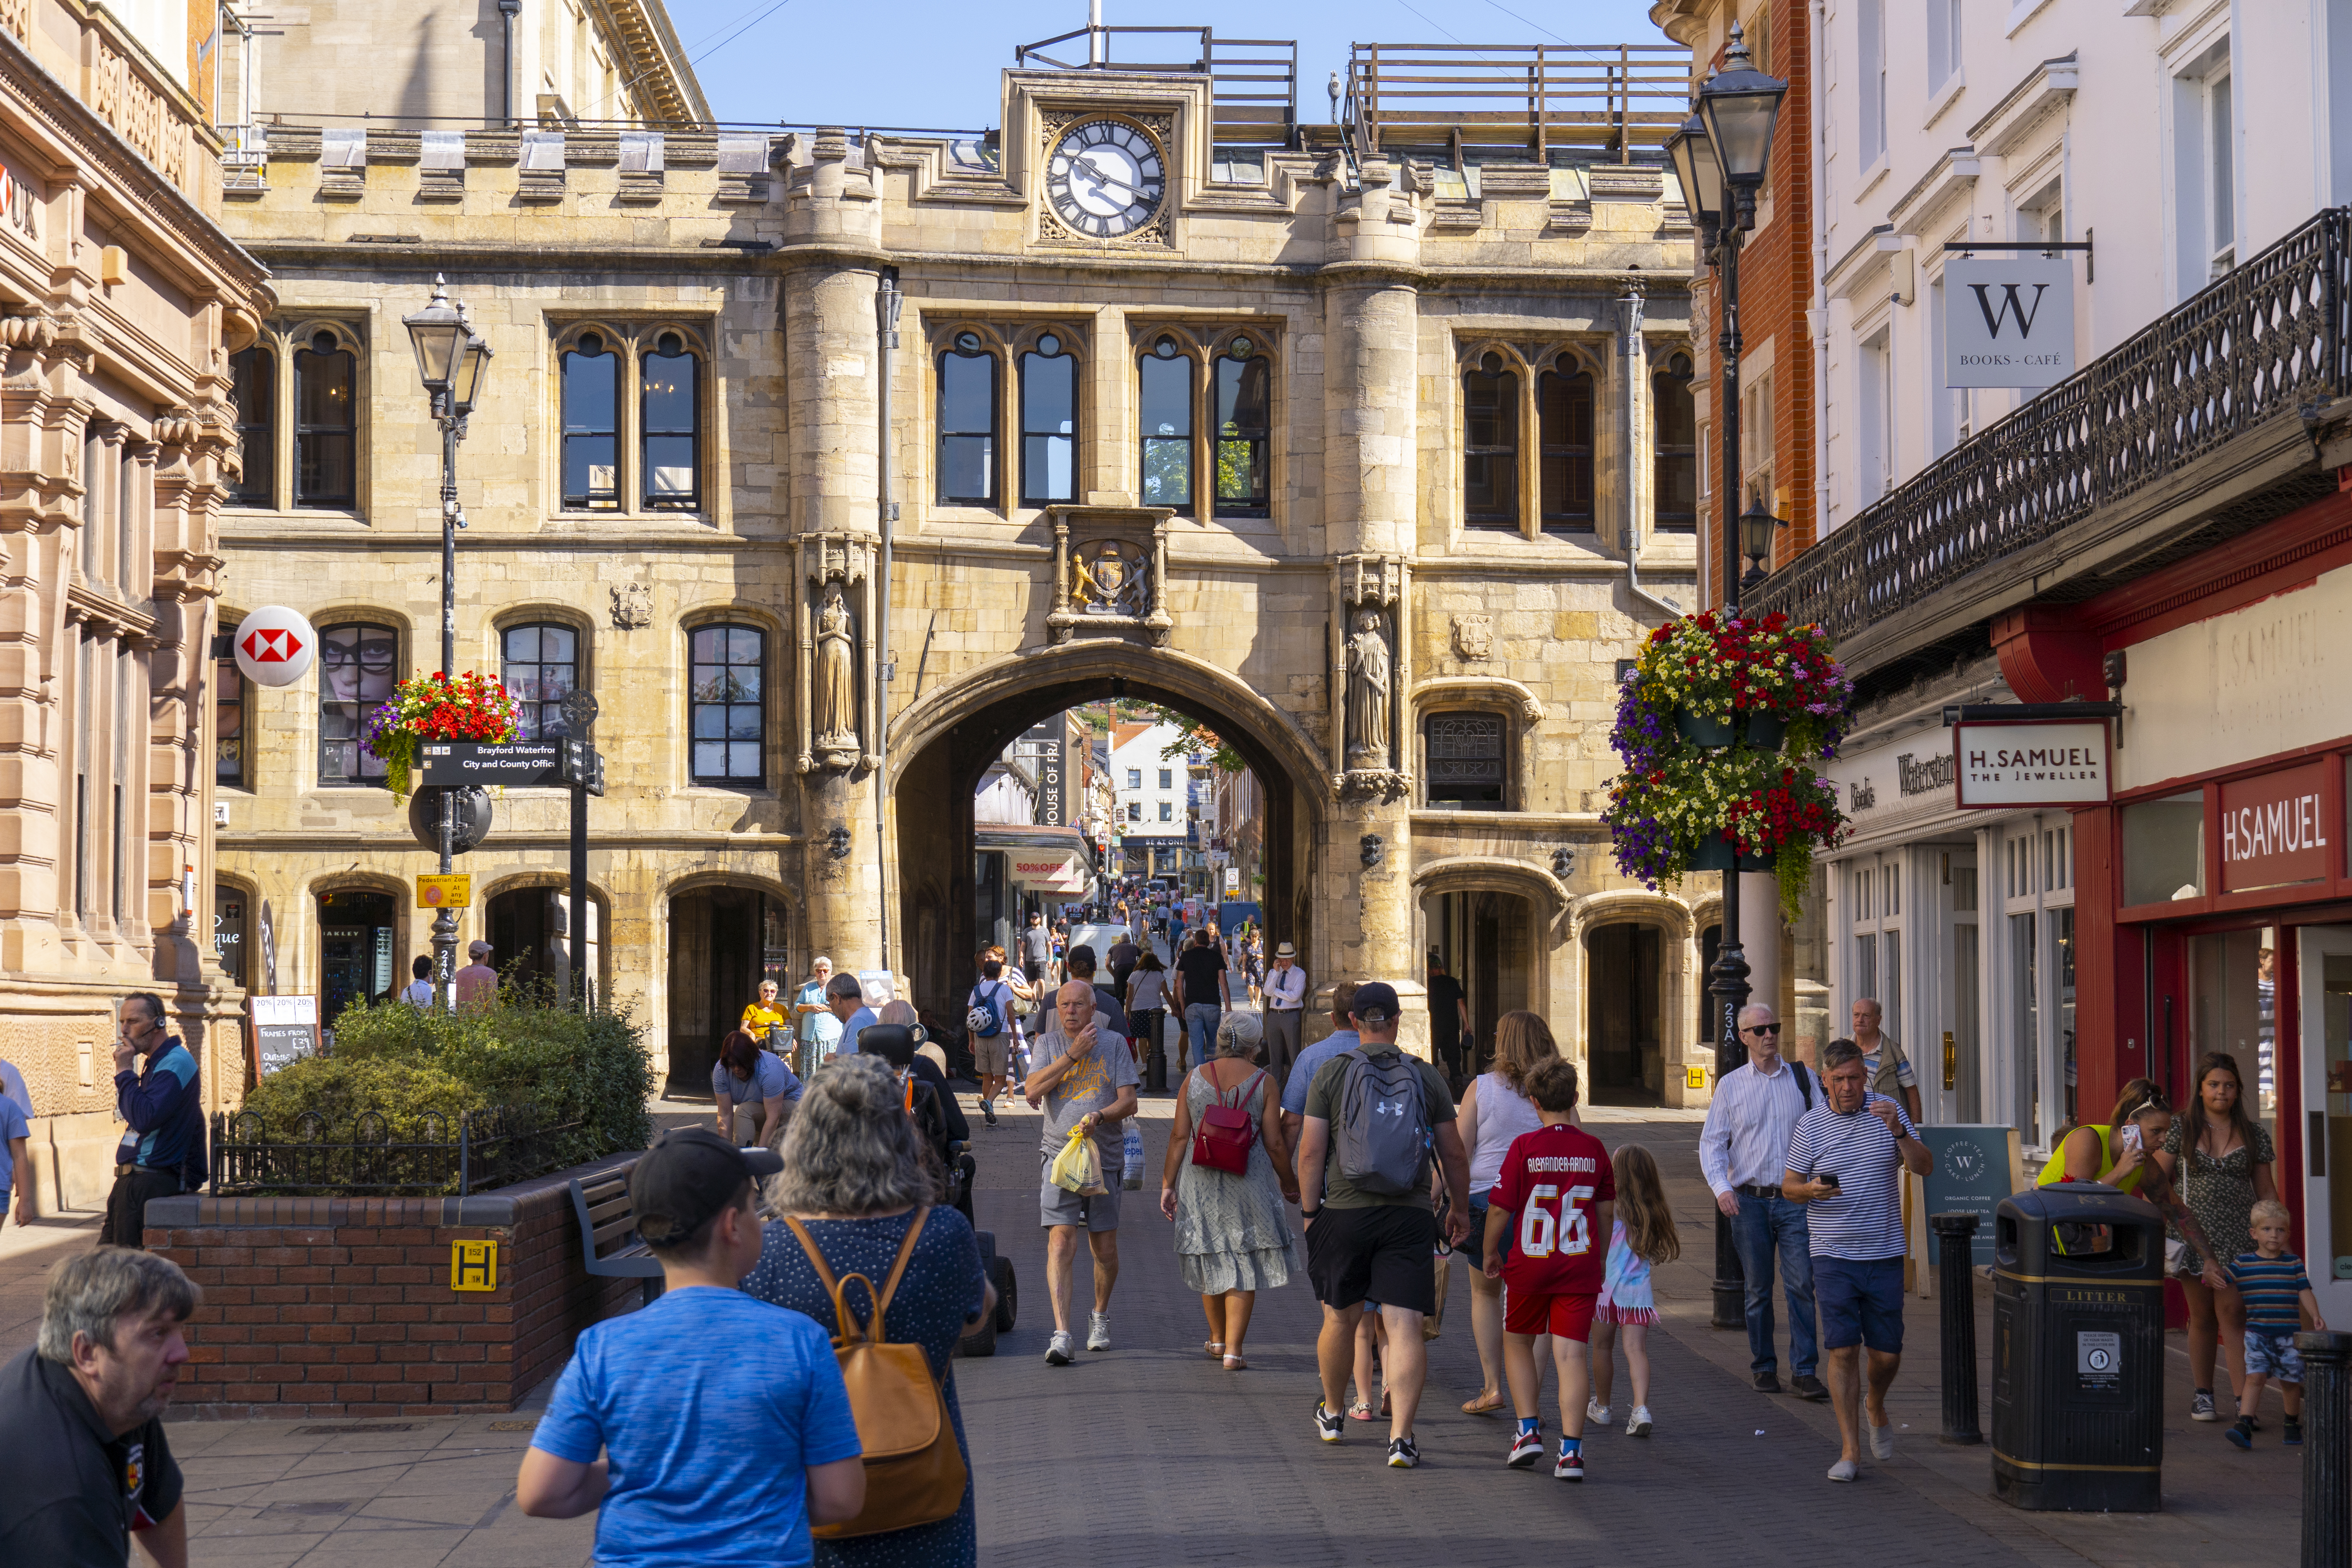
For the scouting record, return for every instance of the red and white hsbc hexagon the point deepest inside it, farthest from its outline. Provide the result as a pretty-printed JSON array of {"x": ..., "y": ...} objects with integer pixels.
[{"x": 274, "y": 645}]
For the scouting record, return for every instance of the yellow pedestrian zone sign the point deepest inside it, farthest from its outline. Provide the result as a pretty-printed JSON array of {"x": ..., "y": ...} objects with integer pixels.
[
  {"x": 472, "y": 1266},
  {"x": 445, "y": 892}
]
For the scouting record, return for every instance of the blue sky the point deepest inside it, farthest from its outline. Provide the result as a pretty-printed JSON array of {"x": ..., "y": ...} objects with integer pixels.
[{"x": 929, "y": 63}]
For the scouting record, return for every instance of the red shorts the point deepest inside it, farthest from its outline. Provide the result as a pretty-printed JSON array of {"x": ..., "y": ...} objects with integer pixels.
[{"x": 1569, "y": 1316}]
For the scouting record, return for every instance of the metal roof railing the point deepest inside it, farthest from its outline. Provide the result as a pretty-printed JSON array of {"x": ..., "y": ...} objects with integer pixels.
[
  {"x": 1253, "y": 82},
  {"x": 1614, "y": 96}
]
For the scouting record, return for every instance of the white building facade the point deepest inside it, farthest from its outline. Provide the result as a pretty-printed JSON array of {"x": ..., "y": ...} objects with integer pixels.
[{"x": 1151, "y": 797}]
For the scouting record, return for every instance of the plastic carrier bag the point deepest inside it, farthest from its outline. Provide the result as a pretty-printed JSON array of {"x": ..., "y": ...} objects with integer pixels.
[{"x": 1076, "y": 1169}]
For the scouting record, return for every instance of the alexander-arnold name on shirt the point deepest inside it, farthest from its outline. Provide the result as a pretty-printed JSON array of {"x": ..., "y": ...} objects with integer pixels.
[{"x": 1567, "y": 1164}]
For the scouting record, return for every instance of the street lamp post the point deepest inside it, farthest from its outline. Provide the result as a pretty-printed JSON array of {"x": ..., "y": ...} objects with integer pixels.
[
  {"x": 451, "y": 360},
  {"x": 1720, "y": 155}
]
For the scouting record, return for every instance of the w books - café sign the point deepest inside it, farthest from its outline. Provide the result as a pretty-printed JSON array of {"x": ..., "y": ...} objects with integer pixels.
[{"x": 2008, "y": 322}]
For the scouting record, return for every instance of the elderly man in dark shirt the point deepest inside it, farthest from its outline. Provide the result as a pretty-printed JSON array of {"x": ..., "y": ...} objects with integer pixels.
[{"x": 81, "y": 1416}]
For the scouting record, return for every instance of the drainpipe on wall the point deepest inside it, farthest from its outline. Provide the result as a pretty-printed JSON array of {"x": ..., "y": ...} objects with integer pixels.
[
  {"x": 887, "y": 301},
  {"x": 1818, "y": 318},
  {"x": 1629, "y": 403},
  {"x": 509, "y": 10}
]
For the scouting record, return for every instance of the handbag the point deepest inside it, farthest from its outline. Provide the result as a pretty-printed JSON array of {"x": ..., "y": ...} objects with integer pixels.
[
  {"x": 1222, "y": 1138},
  {"x": 914, "y": 1470}
]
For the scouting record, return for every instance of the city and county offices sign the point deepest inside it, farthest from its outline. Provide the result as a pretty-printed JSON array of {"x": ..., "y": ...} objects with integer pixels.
[
  {"x": 2008, "y": 322},
  {"x": 2061, "y": 761}
]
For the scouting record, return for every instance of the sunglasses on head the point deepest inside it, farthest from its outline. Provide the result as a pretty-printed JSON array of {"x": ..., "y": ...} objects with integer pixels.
[{"x": 1762, "y": 1029}]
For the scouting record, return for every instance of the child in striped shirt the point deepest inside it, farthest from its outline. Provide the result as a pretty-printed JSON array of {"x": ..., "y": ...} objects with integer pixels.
[{"x": 2277, "y": 1293}]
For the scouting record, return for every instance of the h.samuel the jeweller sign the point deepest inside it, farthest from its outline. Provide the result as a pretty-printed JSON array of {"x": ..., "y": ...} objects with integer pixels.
[{"x": 2059, "y": 762}]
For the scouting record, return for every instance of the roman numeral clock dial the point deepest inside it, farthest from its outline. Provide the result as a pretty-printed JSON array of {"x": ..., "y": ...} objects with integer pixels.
[{"x": 1105, "y": 179}]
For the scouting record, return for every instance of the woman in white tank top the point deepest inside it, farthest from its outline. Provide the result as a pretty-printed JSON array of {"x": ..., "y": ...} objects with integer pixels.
[{"x": 1494, "y": 1111}]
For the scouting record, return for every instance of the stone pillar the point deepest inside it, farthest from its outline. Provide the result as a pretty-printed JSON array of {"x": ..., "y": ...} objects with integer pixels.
[{"x": 1372, "y": 317}]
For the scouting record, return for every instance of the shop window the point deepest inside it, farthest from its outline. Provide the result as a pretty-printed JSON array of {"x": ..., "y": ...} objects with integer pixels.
[
  {"x": 2164, "y": 849},
  {"x": 1049, "y": 424},
  {"x": 1464, "y": 757},
  {"x": 325, "y": 422},
  {"x": 539, "y": 665},
  {"x": 967, "y": 420},
  {"x": 1490, "y": 444},
  {"x": 2025, "y": 1025},
  {"x": 669, "y": 410},
  {"x": 1675, "y": 443},
  {"x": 255, "y": 373},
  {"x": 2233, "y": 1008},
  {"x": 728, "y": 715},
  {"x": 2061, "y": 995},
  {"x": 1166, "y": 378},
  {"x": 229, "y": 903},
  {"x": 1564, "y": 431},
  {"x": 358, "y": 665},
  {"x": 1865, "y": 964},
  {"x": 592, "y": 425},
  {"x": 228, "y": 713},
  {"x": 1240, "y": 420}
]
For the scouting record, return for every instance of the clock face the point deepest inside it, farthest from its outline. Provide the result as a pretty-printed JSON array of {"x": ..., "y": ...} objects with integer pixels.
[{"x": 1105, "y": 178}]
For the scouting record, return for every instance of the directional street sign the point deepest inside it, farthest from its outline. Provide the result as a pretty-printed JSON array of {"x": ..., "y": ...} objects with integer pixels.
[{"x": 526, "y": 764}]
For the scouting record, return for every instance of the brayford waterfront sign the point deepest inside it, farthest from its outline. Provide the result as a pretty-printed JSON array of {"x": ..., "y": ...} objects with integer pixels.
[
  {"x": 2061, "y": 761},
  {"x": 2008, "y": 322}
]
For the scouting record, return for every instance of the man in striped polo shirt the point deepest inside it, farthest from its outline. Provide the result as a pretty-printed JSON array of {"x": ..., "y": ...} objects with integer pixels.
[{"x": 1841, "y": 1164}]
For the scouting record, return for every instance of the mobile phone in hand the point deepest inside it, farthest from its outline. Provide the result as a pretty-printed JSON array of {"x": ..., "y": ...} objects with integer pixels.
[{"x": 1827, "y": 1178}]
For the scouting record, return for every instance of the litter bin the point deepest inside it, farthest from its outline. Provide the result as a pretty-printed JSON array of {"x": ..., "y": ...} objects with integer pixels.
[{"x": 2078, "y": 1350}]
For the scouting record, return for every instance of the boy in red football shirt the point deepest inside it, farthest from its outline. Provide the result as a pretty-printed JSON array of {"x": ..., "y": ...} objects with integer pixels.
[{"x": 1559, "y": 1191}]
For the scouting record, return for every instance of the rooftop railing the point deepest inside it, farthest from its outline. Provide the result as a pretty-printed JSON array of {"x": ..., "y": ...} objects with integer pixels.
[
  {"x": 2260, "y": 344},
  {"x": 1612, "y": 97},
  {"x": 1253, "y": 82}
]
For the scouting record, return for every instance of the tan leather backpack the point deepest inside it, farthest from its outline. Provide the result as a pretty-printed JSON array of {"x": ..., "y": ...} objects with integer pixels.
[{"x": 914, "y": 1470}]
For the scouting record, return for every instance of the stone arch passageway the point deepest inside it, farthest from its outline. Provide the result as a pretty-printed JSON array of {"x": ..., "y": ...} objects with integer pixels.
[{"x": 941, "y": 746}]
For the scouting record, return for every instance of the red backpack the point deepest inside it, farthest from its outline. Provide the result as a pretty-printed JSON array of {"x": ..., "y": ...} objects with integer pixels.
[{"x": 1226, "y": 1133}]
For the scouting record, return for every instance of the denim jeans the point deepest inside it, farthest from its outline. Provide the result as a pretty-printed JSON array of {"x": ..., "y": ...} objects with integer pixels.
[
  {"x": 1201, "y": 1028},
  {"x": 1766, "y": 1226}
]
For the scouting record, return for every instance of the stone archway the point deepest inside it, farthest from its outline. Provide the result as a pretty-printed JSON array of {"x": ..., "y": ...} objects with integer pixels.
[{"x": 941, "y": 747}]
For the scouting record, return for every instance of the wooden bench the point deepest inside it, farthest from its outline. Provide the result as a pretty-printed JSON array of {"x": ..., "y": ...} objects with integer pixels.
[{"x": 608, "y": 1232}]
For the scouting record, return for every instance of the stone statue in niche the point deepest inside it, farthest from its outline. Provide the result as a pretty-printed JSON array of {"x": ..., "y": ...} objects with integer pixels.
[
  {"x": 1368, "y": 692},
  {"x": 1109, "y": 579},
  {"x": 833, "y": 705}
]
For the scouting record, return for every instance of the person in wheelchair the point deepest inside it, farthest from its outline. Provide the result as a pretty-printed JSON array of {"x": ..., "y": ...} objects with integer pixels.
[{"x": 937, "y": 1118}]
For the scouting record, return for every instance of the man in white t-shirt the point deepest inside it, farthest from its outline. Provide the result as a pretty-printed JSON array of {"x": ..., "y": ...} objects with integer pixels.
[
  {"x": 1843, "y": 1161},
  {"x": 418, "y": 992}
]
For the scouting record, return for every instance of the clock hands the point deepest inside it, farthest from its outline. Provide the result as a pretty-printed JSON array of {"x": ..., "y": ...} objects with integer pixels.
[{"x": 1080, "y": 165}]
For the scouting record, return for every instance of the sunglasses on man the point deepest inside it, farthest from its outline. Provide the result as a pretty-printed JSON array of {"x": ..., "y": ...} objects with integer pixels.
[{"x": 1761, "y": 1030}]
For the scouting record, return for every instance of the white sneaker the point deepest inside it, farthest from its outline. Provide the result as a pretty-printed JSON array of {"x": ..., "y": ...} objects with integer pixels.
[
  {"x": 1097, "y": 1330},
  {"x": 1638, "y": 1424},
  {"x": 1882, "y": 1442},
  {"x": 1058, "y": 1350},
  {"x": 1596, "y": 1413}
]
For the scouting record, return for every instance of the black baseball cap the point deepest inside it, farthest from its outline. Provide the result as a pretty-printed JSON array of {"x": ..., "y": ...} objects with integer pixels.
[
  {"x": 688, "y": 1176},
  {"x": 1375, "y": 1002}
]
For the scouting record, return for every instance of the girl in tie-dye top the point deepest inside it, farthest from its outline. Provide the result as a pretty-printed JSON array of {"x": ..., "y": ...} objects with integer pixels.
[{"x": 1642, "y": 1237}]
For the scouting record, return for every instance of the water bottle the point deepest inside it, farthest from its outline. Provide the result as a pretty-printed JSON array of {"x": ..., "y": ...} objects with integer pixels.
[{"x": 1133, "y": 1181}]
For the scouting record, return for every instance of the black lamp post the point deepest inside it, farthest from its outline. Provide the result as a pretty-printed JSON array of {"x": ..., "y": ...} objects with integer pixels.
[
  {"x": 1720, "y": 155},
  {"x": 451, "y": 360}
]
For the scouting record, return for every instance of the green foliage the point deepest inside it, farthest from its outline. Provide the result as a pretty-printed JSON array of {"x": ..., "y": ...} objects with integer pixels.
[{"x": 338, "y": 1090}]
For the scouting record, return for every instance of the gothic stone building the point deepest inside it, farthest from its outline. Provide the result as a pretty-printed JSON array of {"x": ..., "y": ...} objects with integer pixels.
[{"x": 1376, "y": 457}]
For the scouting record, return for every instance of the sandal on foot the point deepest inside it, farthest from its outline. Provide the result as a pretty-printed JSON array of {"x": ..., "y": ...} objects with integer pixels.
[
  {"x": 1212, "y": 1348},
  {"x": 1484, "y": 1405},
  {"x": 1360, "y": 1411},
  {"x": 1235, "y": 1364}
]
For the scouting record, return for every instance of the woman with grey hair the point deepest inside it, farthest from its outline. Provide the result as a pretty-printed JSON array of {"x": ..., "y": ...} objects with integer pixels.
[
  {"x": 855, "y": 1179},
  {"x": 1233, "y": 1239}
]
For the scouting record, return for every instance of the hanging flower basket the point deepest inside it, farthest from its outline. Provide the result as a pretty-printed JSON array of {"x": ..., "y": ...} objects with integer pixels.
[
  {"x": 436, "y": 708},
  {"x": 1718, "y": 725}
]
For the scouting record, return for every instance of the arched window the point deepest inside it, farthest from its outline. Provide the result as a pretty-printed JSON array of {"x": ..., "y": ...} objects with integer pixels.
[
  {"x": 1049, "y": 424},
  {"x": 1490, "y": 444},
  {"x": 1564, "y": 429},
  {"x": 725, "y": 695},
  {"x": 1463, "y": 761},
  {"x": 592, "y": 379},
  {"x": 358, "y": 666},
  {"x": 255, "y": 373},
  {"x": 1242, "y": 418},
  {"x": 1167, "y": 417},
  {"x": 1675, "y": 443},
  {"x": 539, "y": 666},
  {"x": 670, "y": 407},
  {"x": 967, "y": 423},
  {"x": 325, "y": 382}
]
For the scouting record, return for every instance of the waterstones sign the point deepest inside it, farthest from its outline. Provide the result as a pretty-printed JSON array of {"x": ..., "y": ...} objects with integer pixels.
[
  {"x": 2030, "y": 762},
  {"x": 2008, "y": 322}
]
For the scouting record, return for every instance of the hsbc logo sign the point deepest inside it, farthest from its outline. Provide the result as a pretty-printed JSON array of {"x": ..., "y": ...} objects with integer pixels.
[{"x": 274, "y": 645}]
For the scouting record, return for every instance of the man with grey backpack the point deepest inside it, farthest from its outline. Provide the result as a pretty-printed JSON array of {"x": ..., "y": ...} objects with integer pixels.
[{"x": 1374, "y": 1116}]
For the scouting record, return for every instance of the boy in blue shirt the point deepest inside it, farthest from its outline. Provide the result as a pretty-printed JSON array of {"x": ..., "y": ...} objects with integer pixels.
[
  {"x": 2277, "y": 1294},
  {"x": 704, "y": 1463}
]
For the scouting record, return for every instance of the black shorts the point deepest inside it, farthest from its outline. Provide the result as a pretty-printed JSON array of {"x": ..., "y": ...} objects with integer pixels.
[{"x": 1387, "y": 1254}]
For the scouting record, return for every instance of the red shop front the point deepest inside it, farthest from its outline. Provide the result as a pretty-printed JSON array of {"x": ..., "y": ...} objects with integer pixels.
[{"x": 2214, "y": 892}]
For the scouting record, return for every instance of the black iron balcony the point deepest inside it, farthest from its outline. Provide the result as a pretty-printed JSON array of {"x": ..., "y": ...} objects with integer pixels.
[{"x": 2199, "y": 427}]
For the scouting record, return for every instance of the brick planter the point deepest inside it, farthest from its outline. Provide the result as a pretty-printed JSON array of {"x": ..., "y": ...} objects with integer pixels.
[{"x": 345, "y": 1305}]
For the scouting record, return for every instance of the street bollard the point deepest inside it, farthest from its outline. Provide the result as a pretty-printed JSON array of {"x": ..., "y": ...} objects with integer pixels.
[
  {"x": 2327, "y": 1449},
  {"x": 1959, "y": 1310}
]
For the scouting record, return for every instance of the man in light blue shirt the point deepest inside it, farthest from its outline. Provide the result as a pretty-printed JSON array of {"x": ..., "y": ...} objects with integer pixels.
[
  {"x": 1341, "y": 1039},
  {"x": 818, "y": 1027},
  {"x": 846, "y": 999},
  {"x": 15, "y": 1167}
]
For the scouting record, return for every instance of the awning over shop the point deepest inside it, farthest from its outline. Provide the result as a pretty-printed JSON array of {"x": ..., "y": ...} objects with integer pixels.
[{"x": 1054, "y": 860}]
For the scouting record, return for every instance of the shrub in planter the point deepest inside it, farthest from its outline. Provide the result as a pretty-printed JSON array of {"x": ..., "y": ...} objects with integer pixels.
[{"x": 338, "y": 1090}]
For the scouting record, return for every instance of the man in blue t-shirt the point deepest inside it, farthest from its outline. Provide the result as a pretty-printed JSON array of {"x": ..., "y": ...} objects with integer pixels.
[
  {"x": 1342, "y": 1039},
  {"x": 704, "y": 1463},
  {"x": 162, "y": 1153}
]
